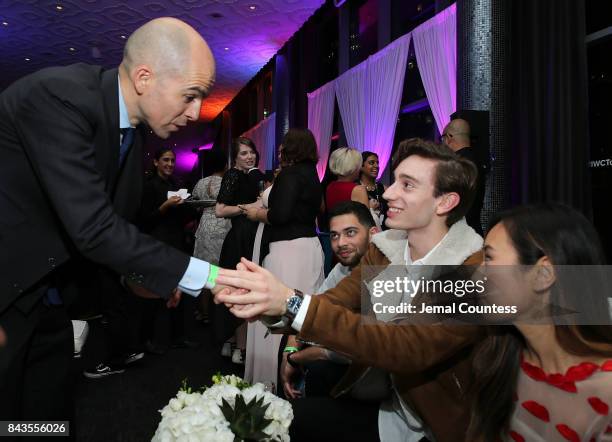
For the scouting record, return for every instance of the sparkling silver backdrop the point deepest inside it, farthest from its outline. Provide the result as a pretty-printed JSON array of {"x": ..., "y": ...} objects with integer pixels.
[{"x": 482, "y": 56}]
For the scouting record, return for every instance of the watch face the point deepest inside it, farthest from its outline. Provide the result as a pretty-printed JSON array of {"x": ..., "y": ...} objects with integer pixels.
[{"x": 293, "y": 305}]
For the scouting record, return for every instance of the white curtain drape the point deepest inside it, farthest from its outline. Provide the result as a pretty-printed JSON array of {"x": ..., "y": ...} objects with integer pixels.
[
  {"x": 369, "y": 97},
  {"x": 435, "y": 45},
  {"x": 263, "y": 135},
  {"x": 321, "y": 122},
  {"x": 386, "y": 71},
  {"x": 351, "y": 95}
]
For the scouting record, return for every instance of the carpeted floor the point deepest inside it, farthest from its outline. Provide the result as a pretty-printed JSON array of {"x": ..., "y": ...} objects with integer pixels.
[{"x": 124, "y": 407}]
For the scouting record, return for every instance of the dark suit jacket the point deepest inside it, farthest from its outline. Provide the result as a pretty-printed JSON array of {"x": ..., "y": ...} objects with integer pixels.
[
  {"x": 473, "y": 215},
  {"x": 62, "y": 193}
]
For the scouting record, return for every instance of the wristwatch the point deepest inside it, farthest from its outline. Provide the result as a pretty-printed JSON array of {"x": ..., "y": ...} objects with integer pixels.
[{"x": 294, "y": 302}]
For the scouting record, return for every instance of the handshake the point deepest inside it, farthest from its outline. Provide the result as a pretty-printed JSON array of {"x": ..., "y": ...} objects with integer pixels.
[{"x": 251, "y": 291}]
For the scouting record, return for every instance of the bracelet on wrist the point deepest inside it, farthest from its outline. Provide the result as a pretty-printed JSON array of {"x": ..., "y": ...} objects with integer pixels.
[
  {"x": 290, "y": 349},
  {"x": 213, "y": 272}
]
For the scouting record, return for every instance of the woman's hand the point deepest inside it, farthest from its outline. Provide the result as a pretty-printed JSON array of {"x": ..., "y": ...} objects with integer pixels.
[
  {"x": 251, "y": 213},
  {"x": 255, "y": 205},
  {"x": 170, "y": 202}
]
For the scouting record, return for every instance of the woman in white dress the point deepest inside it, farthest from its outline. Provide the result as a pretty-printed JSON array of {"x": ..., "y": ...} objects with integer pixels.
[{"x": 261, "y": 350}]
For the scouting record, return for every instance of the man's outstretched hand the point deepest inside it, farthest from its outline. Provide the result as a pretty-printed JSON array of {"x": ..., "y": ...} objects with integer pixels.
[
  {"x": 228, "y": 290},
  {"x": 141, "y": 292},
  {"x": 262, "y": 293},
  {"x": 174, "y": 299}
]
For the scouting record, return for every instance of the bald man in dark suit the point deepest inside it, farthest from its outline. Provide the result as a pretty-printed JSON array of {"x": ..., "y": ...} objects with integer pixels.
[
  {"x": 456, "y": 135},
  {"x": 70, "y": 176}
]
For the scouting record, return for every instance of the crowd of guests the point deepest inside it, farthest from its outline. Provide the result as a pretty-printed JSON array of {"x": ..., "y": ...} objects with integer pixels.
[
  {"x": 520, "y": 381},
  {"x": 408, "y": 382},
  {"x": 352, "y": 376},
  {"x": 542, "y": 372}
]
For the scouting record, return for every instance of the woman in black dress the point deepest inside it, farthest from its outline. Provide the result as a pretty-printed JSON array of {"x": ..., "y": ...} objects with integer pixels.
[
  {"x": 161, "y": 216},
  {"x": 291, "y": 248},
  {"x": 165, "y": 218},
  {"x": 239, "y": 188}
]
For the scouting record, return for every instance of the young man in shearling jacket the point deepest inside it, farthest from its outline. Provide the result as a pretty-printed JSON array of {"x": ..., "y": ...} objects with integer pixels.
[{"x": 411, "y": 378}]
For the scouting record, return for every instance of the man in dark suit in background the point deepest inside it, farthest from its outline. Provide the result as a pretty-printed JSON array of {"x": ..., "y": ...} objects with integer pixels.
[
  {"x": 70, "y": 173},
  {"x": 456, "y": 135}
]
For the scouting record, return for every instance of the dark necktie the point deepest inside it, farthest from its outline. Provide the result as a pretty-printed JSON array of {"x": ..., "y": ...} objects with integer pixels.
[{"x": 126, "y": 142}]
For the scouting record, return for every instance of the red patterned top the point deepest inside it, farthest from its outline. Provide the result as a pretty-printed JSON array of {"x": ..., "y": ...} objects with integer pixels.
[{"x": 575, "y": 406}]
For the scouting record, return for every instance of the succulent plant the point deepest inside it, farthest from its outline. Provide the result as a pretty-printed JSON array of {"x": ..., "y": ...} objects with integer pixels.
[{"x": 247, "y": 419}]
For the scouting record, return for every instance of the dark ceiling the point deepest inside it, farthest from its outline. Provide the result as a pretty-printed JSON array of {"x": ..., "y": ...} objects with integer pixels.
[{"x": 243, "y": 34}]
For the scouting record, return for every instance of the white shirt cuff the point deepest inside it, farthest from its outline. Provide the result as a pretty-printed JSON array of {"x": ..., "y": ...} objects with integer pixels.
[
  {"x": 299, "y": 319},
  {"x": 195, "y": 277}
]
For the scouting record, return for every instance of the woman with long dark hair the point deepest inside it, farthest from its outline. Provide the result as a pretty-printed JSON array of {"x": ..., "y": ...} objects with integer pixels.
[
  {"x": 158, "y": 216},
  {"x": 375, "y": 189},
  {"x": 548, "y": 375},
  {"x": 165, "y": 218},
  {"x": 294, "y": 254}
]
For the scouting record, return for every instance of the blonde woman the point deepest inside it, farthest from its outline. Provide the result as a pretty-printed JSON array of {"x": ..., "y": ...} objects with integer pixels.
[{"x": 345, "y": 163}]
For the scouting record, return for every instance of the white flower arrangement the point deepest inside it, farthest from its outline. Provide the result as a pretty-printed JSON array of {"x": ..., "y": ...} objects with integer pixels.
[{"x": 231, "y": 410}]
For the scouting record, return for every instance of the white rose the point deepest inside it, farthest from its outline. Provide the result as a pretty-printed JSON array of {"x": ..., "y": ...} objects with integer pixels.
[
  {"x": 257, "y": 388},
  {"x": 191, "y": 399},
  {"x": 217, "y": 392},
  {"x": 175, "y": 404},
  {"x": 167, "y": 411},
  {"x": 253, "y": 391},
  {"x": 215, "y": 411},
  {"x": 162, "y": 436},
  {"x": 183, "y": 438},
  {"x": 198, "y": 416},
  {"x": 198, "y": 419}
]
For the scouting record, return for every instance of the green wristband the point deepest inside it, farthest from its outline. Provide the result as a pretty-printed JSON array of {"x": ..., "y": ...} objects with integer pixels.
[
  {"x": 212, "y": 276},
  {"x": 290, "y": 349}
]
